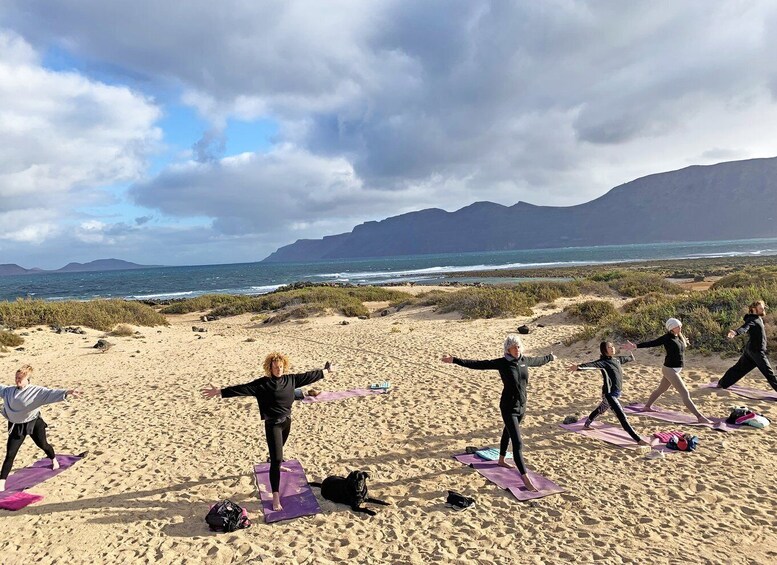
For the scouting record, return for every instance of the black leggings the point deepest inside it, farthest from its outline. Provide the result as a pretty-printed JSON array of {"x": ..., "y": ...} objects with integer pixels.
[
  {"x": 749, "y": 361},
  {"x": 609, "y": 401},
  {"x": 277, "y": 434},
  {"x": 512, "y": 432},
  {"x": 15, "y": 440}
]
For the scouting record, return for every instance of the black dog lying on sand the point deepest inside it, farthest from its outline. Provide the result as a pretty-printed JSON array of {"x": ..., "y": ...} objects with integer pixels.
[{"x": 351, "y": 490}]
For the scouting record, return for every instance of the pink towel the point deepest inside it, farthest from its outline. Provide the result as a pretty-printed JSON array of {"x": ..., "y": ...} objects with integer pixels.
[
  {"x": 664, "y": 437},
  {"x": 19, "y": 500}
]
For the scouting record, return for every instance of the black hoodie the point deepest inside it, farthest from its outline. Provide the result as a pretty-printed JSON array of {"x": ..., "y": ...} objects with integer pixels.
[{"x": 754, "y": 325}]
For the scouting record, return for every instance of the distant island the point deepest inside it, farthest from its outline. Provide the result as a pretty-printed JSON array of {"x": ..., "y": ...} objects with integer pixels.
[
  {"x": 726, "y": 201},
  {"x": 92, "y": 266}
]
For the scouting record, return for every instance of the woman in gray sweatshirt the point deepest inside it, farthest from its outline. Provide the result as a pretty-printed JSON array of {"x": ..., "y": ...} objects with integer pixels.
[{"x": 21, "y": 407}]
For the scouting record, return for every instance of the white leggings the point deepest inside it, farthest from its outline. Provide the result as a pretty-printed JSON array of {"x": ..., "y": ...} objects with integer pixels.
[{"x": 671, "y": 377}]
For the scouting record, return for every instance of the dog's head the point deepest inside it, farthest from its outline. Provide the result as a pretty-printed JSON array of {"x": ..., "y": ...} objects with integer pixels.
[{"x": 357, "y": 485}]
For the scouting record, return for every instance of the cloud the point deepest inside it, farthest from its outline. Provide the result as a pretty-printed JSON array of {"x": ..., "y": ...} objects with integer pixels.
[
  {"x": 384, "y": 107},
  {"x": 65, "y": 137}
]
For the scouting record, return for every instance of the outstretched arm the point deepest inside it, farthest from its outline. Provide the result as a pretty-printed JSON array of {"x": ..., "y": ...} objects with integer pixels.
[
  {"x": 248, "y": 389},
  {"x": 310, "y": 377},
  {"x": 477, "y": 365},
  {"x": 539, "y": 361},
  {"x": 743, "y": 329}
]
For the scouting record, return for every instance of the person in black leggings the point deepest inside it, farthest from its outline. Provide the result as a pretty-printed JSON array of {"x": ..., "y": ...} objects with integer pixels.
[
  {"x": 612, "y": 375},
  {"x": 275, "y": 395},
  {"x": 755, "y": 353},
  {"x": 513, "y": 369},
  {"x": 21, "y": 407}
]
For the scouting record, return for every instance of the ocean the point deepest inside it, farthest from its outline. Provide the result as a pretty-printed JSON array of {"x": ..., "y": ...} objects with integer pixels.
[{"x": 260, "y": 278}]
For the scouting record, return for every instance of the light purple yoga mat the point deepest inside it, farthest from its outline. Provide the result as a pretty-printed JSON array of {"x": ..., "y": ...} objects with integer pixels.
[
  {"x": 509, "y": 479},
  {"x": 680, "y": 418},
  {"x": 326, "y": 396},
  {"x": 13, "y": 499},
  {"x": 613, "y": 435},
  {"x": 296, "y": 497},
  {"x": 751, "y": 393}
]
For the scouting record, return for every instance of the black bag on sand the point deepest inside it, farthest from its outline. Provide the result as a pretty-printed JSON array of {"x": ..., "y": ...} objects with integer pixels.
[
  {"x": 226, "y": 516},
  {"x": 350, "y": 490},
  {"x": 458, "y": 501}
]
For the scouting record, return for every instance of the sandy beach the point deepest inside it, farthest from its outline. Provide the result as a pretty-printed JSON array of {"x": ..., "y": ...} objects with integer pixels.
[{"x": 159, "y": 454}]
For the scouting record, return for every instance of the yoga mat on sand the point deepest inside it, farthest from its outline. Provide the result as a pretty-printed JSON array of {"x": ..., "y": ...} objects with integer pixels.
[
  {"x": 341, "y": 394},
  {"x": 296, "y": 497},
  {"x": 611, "y": 434},
  {"x": 13, "y": 498},
  {"x": 509, "y": 479},
  {"x": 680, "y": 418},
  {"x": 751, "y": 393}
]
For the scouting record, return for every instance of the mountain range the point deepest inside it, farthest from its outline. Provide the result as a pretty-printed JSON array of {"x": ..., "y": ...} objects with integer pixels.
[
  {"x": 98, "y": 265},
  {"x": 725, "y": 201}
]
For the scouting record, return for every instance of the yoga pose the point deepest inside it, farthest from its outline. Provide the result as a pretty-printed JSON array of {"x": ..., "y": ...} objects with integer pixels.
[
  {"x": 755, "y": 352},
  {"x": 514, "y": 370},
  {"x": 21, "y": 407},
  {"x": 674, "y": 343},
  {"x": 612, "y": 375},
  {"x": 275, "y": 395}
]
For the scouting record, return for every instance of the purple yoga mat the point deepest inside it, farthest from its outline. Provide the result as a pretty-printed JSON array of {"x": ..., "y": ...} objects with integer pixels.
[
  {"x": 13, "y": 499},
  {"x": 296, "y": 497},
  {"x": 680, "y": 418},
  {"x": 751, "y": 393},
  {"x": 509, "y": 479},
  {"x": 341, "y": 394},
  {"x": 611, "y": 434}
]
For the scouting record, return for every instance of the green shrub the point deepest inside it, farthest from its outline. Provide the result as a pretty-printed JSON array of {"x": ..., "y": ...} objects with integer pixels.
[
  {"x": 10, "y": 339},
  {"x": 592, "y": 311},
  {"x": 639, "y": 284},
  {"x": 547, "y": 291},
  {"x": 760, "y": 277},
  {"x": 485, "y": 303},
  {"x": 97, "y": 314},
  {"x": 202, "y": 303}
]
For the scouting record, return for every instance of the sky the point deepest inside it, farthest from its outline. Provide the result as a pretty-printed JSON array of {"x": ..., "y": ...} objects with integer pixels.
[{"x": 200, "y": 132}]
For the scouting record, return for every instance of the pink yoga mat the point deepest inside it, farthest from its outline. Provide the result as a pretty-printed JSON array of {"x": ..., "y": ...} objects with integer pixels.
[
  {"x": 751, "y": 393},
  {"x": 611, "y": 434},
  {"x": 680, "y": 418},
  {"x": 296, "y": 497},
  {"x": 13, "y": 498},
  {"x": 509, "y": 479},
  {"x": 326, "y": 396}
]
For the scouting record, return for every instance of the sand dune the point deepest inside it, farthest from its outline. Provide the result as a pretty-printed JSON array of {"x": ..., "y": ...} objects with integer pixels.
[{"x": 160, "y": 454}]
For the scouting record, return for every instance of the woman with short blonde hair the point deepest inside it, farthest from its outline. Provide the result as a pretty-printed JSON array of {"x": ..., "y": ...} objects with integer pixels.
[{"x": 21, "y": 407}]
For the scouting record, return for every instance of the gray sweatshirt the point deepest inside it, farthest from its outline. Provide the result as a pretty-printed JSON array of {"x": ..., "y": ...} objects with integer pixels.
[{"x": 23, "y": 405}]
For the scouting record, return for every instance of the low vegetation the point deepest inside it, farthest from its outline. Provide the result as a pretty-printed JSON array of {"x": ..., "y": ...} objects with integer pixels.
[
  {"x": 706, "y": 316},
  {"x": 10, "y": 339},
  {"x": 97, "y": 314},
  {"x": 295, "y": 303},
  {"x": 202, "y": 303},
  {"x": 592, "y": 311}
]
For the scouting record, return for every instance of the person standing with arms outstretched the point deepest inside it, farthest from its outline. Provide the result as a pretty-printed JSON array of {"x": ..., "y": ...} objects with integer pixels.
[
  {"x": 275, "y": 395},
  {"x": 612, "y": 374},
  {"x": 674, "y": 343},
  {"x": 755, "y": 353},
  {"x": 21, "y": 407},
  {"x": 513, "y": 369}
]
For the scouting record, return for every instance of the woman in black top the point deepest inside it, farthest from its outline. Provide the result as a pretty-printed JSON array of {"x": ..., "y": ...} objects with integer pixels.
[
  {"x": 275, "y": 395},
  {"x": 612, "y": 375},
  {"x": 755, "y": 353},
  {"x": 514, "y": 370},
  {"x": 674, "y": 343}
]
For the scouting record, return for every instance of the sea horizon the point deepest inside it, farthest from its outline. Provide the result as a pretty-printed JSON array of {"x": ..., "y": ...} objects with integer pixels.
[{"x": 162, "y": 282}]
